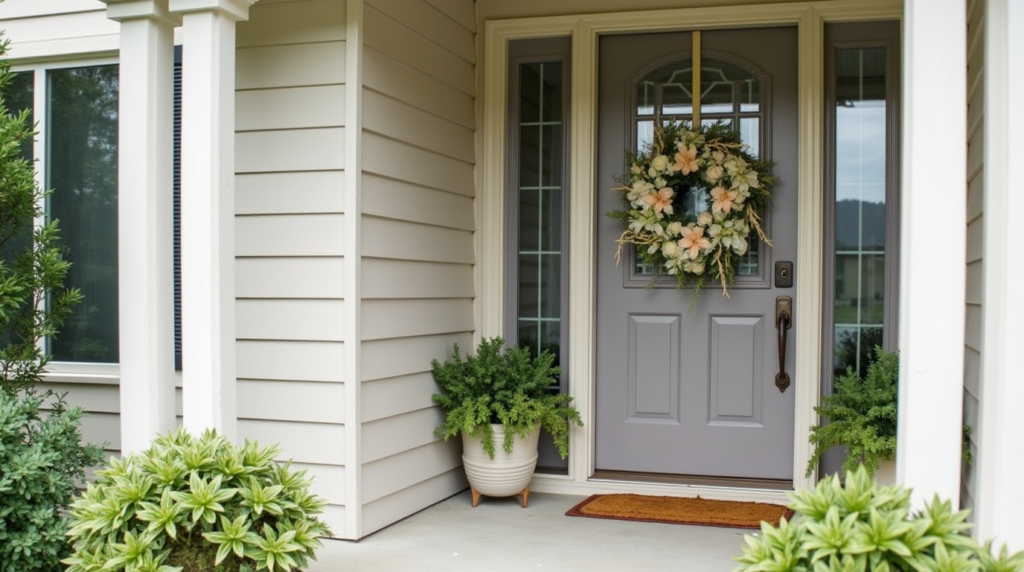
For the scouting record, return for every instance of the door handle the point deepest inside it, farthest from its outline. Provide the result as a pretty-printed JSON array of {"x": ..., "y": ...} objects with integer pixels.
[{"x": 783, "y": 321}]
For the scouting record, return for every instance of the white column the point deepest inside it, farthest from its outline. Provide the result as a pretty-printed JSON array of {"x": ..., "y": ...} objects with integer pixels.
[
  {"x": 932, "y": 256},
  {"x": 208, "y": 212},
  {"x": 145, "y": 297},
  {"x": 1000, "y": 498}
]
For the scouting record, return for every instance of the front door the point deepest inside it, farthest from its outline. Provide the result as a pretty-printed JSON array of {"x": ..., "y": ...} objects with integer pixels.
[{"x": 693, "y": 392}]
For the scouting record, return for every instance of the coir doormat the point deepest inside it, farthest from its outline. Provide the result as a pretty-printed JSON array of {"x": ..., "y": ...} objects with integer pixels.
[{"x": 677, "y": 510}]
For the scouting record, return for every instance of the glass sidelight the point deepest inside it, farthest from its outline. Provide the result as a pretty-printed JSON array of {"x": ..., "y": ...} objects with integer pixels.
[{"x": 861, "y": 199}]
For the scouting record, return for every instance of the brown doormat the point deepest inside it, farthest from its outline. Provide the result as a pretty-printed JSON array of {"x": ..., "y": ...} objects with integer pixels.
[{"x": 677, "y": 510}]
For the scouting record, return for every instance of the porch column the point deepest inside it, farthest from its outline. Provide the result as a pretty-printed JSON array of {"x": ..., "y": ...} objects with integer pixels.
[
  {"x": 1000, "y": 498},
  {"x": 208, "y": 211},
  {"x": 145, "y": 249},
  {"x": 932, "y": 257}
]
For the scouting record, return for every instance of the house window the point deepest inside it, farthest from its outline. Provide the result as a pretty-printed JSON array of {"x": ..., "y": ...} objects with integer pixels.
[
  {"x": 76, "y": 152},
  {"x": 861, "y": 197}
]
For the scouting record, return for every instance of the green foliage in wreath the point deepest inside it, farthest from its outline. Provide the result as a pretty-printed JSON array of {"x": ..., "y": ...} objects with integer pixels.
[
  {"x": 191, "y": 504},
  {"x": 860, "y": 527},
  {"x": 504, "y": 386},
  {"x": 734, "y": 191}
]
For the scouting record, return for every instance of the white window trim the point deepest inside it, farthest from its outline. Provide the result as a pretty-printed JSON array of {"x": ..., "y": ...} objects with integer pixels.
[{"x": 810, "y": 18}]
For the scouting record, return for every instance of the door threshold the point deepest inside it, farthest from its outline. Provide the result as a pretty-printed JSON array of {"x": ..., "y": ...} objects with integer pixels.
[{"x": 694, "y": 480}]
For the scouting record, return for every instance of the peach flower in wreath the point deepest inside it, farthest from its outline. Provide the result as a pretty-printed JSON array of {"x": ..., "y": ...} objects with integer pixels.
[
  {"x": 686, "y": 160},
  {"x": 723, "y": 200},
  {"x": 694, "y": 241},
  {"x": 660, "y": 201}
]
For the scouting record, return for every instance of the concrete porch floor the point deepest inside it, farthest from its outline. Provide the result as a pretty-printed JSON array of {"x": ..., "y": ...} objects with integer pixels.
[{"x": 500, "y": 536}]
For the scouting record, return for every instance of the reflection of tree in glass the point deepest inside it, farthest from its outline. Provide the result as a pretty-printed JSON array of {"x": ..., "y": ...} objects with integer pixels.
[
  {"x": 849, "y": 354},
  {"x": 83, "y": 175}
]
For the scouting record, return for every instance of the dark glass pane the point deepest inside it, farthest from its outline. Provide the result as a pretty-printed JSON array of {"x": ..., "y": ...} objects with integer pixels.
[
  {"x": 529, "y": 335},
  {"x": 551, "y": 333},
  {"x": 529, "y": 155},
  {"x": 750, "y": 262},
  {"x": 551, "y": 82},
  {"x": 854, "y": 348},
  {"x": 529, "y": 286},
  {"x": 19, "y": 96},
  {"x": 726, "y": 87},
  {"x": 16, "y": 235},
  {"x": 551, "y": 220},
  {"x": 82, "y": 165},
  {"x": 551, "y": 155},
  {"x": 551, "y": 286},
  {"x": 529, "y": 93},
  {"x": 529, "y": 220}
]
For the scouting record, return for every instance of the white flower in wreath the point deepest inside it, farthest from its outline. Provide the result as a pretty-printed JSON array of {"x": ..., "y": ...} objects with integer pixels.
[
  {"x": 675, "y": 228},
  {"x": 694, "y": 267},
  {"x": 704, "y": 219},
  {"x": 714, "y": 173},
  {"x": 638, "y": 191},
  {"x": 660, "y": 164}
]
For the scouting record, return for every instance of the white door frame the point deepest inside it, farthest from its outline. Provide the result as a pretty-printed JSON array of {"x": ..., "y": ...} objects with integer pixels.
[{"x": 809, "y": 17}]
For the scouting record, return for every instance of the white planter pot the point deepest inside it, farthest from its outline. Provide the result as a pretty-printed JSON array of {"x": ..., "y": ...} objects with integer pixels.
[
  {"x": 886, "y": 473},
  {"x": 505, "y": 475}
]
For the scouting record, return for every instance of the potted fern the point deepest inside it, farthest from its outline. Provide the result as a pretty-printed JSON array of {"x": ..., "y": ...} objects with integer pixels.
[
  {"x": 502, "y": 395},
  {"x": 861, "y": 416}
]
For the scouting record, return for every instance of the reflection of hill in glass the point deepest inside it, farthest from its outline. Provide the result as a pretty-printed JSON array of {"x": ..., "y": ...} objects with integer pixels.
[{"x": 852, "y": 229}]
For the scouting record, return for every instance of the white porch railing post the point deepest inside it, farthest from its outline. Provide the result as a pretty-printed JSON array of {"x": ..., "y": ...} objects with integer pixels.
[
  {"x": 208, "y": 212},
  {"x": 145, "y": 297},
  {"x": 1000, "y": 498},
  {"x": 933, "y": 252}
]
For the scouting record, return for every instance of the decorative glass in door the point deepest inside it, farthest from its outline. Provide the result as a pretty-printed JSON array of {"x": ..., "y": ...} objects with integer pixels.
[{"x": 729, "y": 93}]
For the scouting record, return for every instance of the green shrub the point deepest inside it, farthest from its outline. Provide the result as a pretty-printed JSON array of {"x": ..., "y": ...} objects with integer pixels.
[
  {"x": 191, "y": 504},
  {"x": 862, "y": 527},
  {"x": 861, "y": 415},
  {"x": 504, "y": 386},
  {"x": 41, "y": 459}
]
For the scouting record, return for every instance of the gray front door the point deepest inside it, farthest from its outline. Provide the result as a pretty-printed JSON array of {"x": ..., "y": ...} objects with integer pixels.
[{"x": 693, "y": 393}]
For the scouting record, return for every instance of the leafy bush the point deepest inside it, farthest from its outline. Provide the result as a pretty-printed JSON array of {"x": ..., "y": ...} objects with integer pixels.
[
  {"x": 502, "y": 386},
  {"x": 41, "y": 460},
  {"x": 191, "y": 504},
  {"x": 861, "y": 415},
  {"x": 861, "y": 527},
  {"x": 32, "y": 266}
]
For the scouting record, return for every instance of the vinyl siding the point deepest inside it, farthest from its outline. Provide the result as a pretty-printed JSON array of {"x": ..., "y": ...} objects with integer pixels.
[
  {"x": 418, "y": 254},
  {"x": 289, "y": 233},
  {"x": 63, "y": 28},
  {"x": 975, "y": 233}
]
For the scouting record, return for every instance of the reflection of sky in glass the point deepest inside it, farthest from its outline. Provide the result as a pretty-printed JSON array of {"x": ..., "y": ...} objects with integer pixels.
[{"x": 860, "y": 151}]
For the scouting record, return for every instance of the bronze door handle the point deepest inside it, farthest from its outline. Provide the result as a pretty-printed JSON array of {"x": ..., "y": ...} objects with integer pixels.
[{"x": 783, "y": 321}]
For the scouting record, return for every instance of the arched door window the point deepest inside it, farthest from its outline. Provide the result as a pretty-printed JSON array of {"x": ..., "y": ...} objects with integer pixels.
[{"x": 732, "y": 91}]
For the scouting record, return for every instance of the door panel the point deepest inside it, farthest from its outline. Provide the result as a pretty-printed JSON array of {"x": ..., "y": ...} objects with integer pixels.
[{"x": 693, "y": 393}]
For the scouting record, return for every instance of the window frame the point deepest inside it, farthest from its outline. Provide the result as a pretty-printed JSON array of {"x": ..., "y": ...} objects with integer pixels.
[
  {"x": 861, "y": 35},
  {"x": 62, "y": 371}
]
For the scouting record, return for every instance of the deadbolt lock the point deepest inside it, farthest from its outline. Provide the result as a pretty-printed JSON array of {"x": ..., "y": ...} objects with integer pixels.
[{"x": 784, "y": 274}]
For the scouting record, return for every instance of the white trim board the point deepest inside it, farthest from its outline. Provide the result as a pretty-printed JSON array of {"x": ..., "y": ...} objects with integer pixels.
[{"x": 809, "y": 17}]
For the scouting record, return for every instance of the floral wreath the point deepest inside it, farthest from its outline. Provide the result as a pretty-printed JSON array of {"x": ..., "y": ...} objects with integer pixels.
[{"x": 680, "y": 161}]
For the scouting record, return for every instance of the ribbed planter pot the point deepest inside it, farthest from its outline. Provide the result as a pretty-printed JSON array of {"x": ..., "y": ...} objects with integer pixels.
[
  {"x": 505, "y": 475},
  {"x": 886, "y": 473}
]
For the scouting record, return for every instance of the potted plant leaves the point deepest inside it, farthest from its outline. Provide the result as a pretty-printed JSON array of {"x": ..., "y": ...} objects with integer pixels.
[{"x": 499, "y": 400}]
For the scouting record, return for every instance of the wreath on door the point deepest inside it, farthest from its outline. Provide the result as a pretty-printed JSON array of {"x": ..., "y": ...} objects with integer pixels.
[{"x": 683, "y": 160}]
